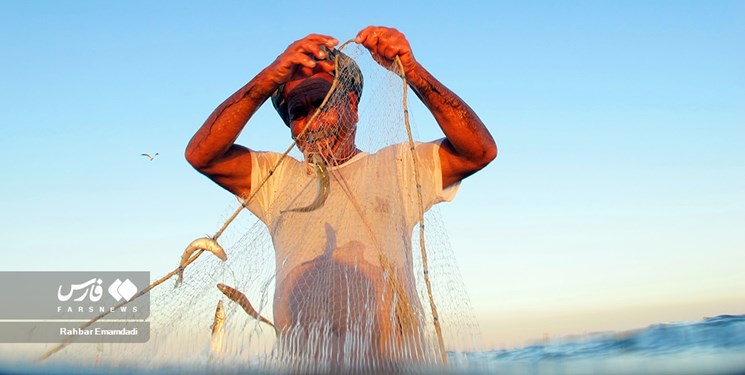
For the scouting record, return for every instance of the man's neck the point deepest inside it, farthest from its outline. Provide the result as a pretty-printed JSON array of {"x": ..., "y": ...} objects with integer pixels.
[
  {"x": 345, "y": 158},
  {"x": 336, "y": 158}
]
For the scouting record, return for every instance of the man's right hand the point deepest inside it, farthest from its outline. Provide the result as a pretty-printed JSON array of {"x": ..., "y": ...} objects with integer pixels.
[
  {"x": 213, "y": 151},
  {"x": 302, "y": 58}
]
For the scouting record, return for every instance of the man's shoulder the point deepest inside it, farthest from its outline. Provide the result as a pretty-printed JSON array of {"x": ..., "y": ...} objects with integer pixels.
[
  {"x": 397, "y": 148},
  {"x": 405, "y": 147},
  {"x": 272, "y": 155},
  {"x": 270, "y": 160}
]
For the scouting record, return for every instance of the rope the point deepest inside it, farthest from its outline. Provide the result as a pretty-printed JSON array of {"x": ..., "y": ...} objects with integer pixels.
[
  {"x": 255, "y": 191},
  {"x": 70, "y": 339},
  {"x": 425, "y": 268}
]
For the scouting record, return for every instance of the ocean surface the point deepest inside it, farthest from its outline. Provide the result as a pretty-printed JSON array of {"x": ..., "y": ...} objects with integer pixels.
[{"x": 711, "y": 346}]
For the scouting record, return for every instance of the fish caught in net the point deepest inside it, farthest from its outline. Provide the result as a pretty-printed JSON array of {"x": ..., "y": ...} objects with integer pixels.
[{"x": 329, "y": 265}]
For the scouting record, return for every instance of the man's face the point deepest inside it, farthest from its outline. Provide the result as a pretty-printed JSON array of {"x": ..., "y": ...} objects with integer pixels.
[{"x": 332, "y": 131}]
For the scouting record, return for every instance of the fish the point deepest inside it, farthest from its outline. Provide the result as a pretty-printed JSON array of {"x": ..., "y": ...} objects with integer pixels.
[
  {"x": 324, "y": 185},
  {"x": 204, "y": 243},
  {"x": 238, "y": 297},
  {"x": 217, "y": 333}
]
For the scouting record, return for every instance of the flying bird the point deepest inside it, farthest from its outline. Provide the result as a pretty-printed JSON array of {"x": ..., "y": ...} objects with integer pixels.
[{"x": 151, "y": 157}]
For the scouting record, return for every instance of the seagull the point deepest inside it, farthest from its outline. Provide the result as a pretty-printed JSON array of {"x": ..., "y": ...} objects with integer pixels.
[{"x": 151, "y": 157}]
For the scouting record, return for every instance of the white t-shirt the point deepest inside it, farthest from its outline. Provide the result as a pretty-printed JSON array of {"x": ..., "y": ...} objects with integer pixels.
[{"x": 366, "y": 220}]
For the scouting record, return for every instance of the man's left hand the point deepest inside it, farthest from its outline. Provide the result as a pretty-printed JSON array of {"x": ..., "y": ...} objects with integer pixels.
[{"x": 385, "y": 44}]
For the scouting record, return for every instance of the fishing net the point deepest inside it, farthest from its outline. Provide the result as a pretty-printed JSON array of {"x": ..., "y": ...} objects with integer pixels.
[{"x": 329, "y": 267}]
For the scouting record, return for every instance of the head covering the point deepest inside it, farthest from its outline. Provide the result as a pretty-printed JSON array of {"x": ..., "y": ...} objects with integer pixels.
[
  {"x": 310, "y": 90},
  {"x": 350, "y": 80}
]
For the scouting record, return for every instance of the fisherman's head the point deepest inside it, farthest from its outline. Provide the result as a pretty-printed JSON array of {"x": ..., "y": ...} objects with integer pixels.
[{"x": 333, "y": 129}]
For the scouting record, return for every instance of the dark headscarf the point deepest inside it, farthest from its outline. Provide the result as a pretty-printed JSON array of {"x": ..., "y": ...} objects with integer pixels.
[{"x": 351, "y": 81}]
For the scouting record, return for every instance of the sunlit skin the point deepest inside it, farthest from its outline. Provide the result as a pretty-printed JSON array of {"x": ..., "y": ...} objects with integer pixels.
[
  {"x": 332, "y": 132},
  {"x": 467, "y": 147}
]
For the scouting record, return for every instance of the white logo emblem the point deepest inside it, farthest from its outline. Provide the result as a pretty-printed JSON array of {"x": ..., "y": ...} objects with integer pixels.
[
  {"x": 91, "y": 288},
  {"x": 119, "y": 290}
]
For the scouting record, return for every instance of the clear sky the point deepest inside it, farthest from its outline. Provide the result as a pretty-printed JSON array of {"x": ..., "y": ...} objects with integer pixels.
[{"x": 614, "y": 202}]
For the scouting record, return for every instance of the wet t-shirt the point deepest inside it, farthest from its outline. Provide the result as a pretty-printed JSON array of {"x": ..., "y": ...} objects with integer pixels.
[{"x": 334, "y": 263}]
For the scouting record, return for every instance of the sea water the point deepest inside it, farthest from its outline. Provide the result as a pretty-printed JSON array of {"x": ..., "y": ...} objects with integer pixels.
[{"x": 711, "y": 346}]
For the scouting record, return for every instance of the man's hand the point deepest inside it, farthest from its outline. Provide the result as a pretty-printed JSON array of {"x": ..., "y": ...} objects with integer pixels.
[
  {"x": 385, "y": 44},
  {"x": 304, "y": 57},
  {"x": 213, "y": 151},
  {"x": 467, "y": 146}
]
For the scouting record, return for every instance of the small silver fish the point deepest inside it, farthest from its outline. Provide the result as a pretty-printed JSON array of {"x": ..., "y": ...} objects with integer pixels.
[
  {"x": 241, "y": 299},
  {"x": 204, "y": 243},
  {"x": 217, "y": 333},
  {"x": 324, "y": 185}
]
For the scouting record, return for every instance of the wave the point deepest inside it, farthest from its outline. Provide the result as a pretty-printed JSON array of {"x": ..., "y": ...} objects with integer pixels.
[{"x": 723, "y": 332}]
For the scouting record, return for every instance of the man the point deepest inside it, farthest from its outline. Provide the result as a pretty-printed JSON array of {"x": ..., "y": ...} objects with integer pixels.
[{"x": 339, "y": 270}]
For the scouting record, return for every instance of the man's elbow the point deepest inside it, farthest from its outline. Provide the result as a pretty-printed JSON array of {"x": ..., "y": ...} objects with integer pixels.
[
  {"x": 490, "y": 154},
  {"x": 198, "y": 161},
  {"x": 487, "y": 155}
]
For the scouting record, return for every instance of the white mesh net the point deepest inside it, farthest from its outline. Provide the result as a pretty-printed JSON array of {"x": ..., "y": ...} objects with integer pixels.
[{"x": 329, "y": 255}]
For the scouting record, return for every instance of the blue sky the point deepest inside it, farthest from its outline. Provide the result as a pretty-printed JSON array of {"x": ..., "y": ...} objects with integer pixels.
[{"x": 617, "y": 199}]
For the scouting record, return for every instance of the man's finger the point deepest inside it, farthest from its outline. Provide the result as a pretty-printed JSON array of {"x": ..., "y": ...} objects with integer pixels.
[
  {"x": 303, "y": 59},
  {"x": 391, "y": 52},
  {"x": 332, "y": 42},
  {"x": 326, "y": 65},
  {"x": 312, "y": 45},
  {"x": 371, "y": 41},
  {"x": 315, "y": 50},
  {"x": 316, "y": 39},
  {"x": 364, "y": 37},
  {"x": 319, "y": 39}
]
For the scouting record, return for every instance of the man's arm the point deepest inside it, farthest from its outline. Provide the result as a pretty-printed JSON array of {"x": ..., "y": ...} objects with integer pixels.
[
  {"x": 468, "y": 145},
  {"x": 212, "y": 150}
]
